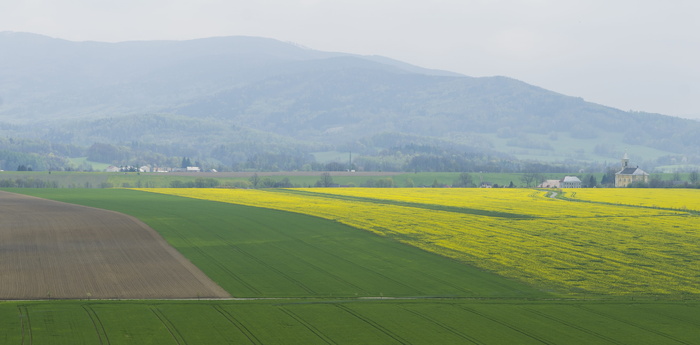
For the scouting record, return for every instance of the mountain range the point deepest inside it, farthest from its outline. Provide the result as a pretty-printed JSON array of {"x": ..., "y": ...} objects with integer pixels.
[{"x": 258, "y": 103}]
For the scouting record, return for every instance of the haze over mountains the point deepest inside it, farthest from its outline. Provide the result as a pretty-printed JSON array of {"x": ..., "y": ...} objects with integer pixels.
[{"x": 256, "y": 103}]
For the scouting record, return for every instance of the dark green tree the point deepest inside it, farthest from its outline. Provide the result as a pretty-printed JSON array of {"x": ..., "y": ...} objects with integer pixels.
[
  {"x": 254, "y": 180},
  {"x": 464, "y": 180},
  {"x": 387, "y": 182},
  {"x": 186, "y": 162},
  {"x": 326, "y": 180},
  {"x": 531, "y": 178},
  {"x": 694, "y": 176},
  {"x": 590, "y": 181},
  {"x": 608, "y": 179}
]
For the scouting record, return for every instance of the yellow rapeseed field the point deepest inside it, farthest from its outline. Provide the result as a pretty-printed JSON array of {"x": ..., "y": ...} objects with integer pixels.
[
  {"x": 568, "y": 247},
  {"x": 510, "y": 200},
  {"x": 681, "y": 199}
]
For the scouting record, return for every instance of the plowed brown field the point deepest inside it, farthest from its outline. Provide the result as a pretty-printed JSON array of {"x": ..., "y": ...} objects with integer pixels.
[{"x": 50, "y": 249}]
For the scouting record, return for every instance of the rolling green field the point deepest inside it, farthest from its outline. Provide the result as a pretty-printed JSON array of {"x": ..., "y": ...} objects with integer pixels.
[{"x": 306, "y": 280}]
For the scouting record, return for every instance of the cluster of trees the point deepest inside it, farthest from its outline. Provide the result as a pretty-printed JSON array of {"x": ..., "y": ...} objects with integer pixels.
[
  {"x": 122, "y": 155},
  {"x": 21, "y": 161},
  {"x": 197, "y": 183},
  {"x": 655, "y": 181},
  {"x": 267, "y": 182},
  {"x": 27, "y": 183}
]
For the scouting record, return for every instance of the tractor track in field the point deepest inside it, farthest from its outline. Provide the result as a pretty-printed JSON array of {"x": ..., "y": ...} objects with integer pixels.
[
  {"x": 445, "y": 327},
  {"x": 318, "y": 333},
  {"x": 632, "y": 324},
  {"x": 373, "y": 324},
  {"x": 238, "y": 324},
  {"x": 97, "y": 324},
  {"x": 25, "y": 327},
  {"x": 169, "y": 326},
  {"x": 510, "y": 326}
]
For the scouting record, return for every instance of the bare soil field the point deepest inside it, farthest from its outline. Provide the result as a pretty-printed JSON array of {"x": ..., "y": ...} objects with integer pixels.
[{"x": 50, "y": 249}]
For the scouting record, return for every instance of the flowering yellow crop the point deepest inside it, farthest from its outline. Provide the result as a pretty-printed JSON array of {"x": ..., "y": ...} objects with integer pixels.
[
  {"x": 510, "y": 200},
  {"x": 564, "y": 246},
  {"x": 681, "y": 199}
]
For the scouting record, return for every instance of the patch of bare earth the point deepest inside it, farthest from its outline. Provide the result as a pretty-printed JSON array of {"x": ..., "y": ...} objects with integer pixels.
[{"x": 50, "y": 249}]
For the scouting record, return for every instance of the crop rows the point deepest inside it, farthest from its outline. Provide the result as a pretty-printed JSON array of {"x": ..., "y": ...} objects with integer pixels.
[
  {"x": 57, "y": 250},
  {"x": 351, "y": 278},
  {"x": 338, "y": 322},
  {"x": 568, "y": 247}
]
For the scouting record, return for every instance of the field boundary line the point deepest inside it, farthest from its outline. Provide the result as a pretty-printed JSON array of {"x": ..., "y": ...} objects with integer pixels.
[
  {"x": 308, "y": 326},
  {"x": 169, "y": 326},
  {"x": 97, "y": 323},
  {"x": 238, "y": 324},
  {"x": 374, "y": 324}
]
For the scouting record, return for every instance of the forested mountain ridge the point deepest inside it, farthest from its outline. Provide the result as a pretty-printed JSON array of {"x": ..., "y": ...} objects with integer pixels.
[{"x": 232, "y": 100}]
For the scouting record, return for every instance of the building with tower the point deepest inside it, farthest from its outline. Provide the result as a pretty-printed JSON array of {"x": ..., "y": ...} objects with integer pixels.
[{"x": 629, "y": 174}]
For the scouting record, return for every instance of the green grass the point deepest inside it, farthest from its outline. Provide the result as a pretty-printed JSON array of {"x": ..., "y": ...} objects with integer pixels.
[{"x": 321, "y": 269}]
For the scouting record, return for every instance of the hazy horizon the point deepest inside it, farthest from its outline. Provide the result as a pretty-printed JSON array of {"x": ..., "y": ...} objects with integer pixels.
[{"x": 629, "y": 55}]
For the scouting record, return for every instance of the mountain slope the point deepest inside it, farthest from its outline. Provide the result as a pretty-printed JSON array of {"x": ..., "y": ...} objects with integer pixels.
[{"x": 210, "y": 96}]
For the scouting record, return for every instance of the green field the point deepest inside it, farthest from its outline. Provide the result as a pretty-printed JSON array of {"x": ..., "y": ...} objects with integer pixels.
[
  {"x": 63, "y": 179},
  {"x": 348, "y": 322},
  {"x": 255, "y": 252},
  {"x": 318, "y": 281}
]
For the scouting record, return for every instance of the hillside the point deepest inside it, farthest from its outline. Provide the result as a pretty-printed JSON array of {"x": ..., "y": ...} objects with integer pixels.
[{"x": 235, "y": 100}]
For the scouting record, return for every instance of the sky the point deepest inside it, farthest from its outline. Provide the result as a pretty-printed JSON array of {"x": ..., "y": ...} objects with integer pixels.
[{"x": 637, "y": 55}]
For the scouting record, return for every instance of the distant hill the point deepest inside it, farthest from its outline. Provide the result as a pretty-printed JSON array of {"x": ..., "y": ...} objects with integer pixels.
[{"x": 232, "y": 99}]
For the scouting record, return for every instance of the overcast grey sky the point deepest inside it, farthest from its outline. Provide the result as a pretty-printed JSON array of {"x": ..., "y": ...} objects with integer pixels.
[{"x": 638, "y": 55}]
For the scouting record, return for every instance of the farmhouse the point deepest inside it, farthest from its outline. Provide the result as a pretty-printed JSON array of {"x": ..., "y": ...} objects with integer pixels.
[
  {"x": 629, "y": 175},
  {"x": 566, "y": 182},
  {"x": 570, "y": 182}
]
